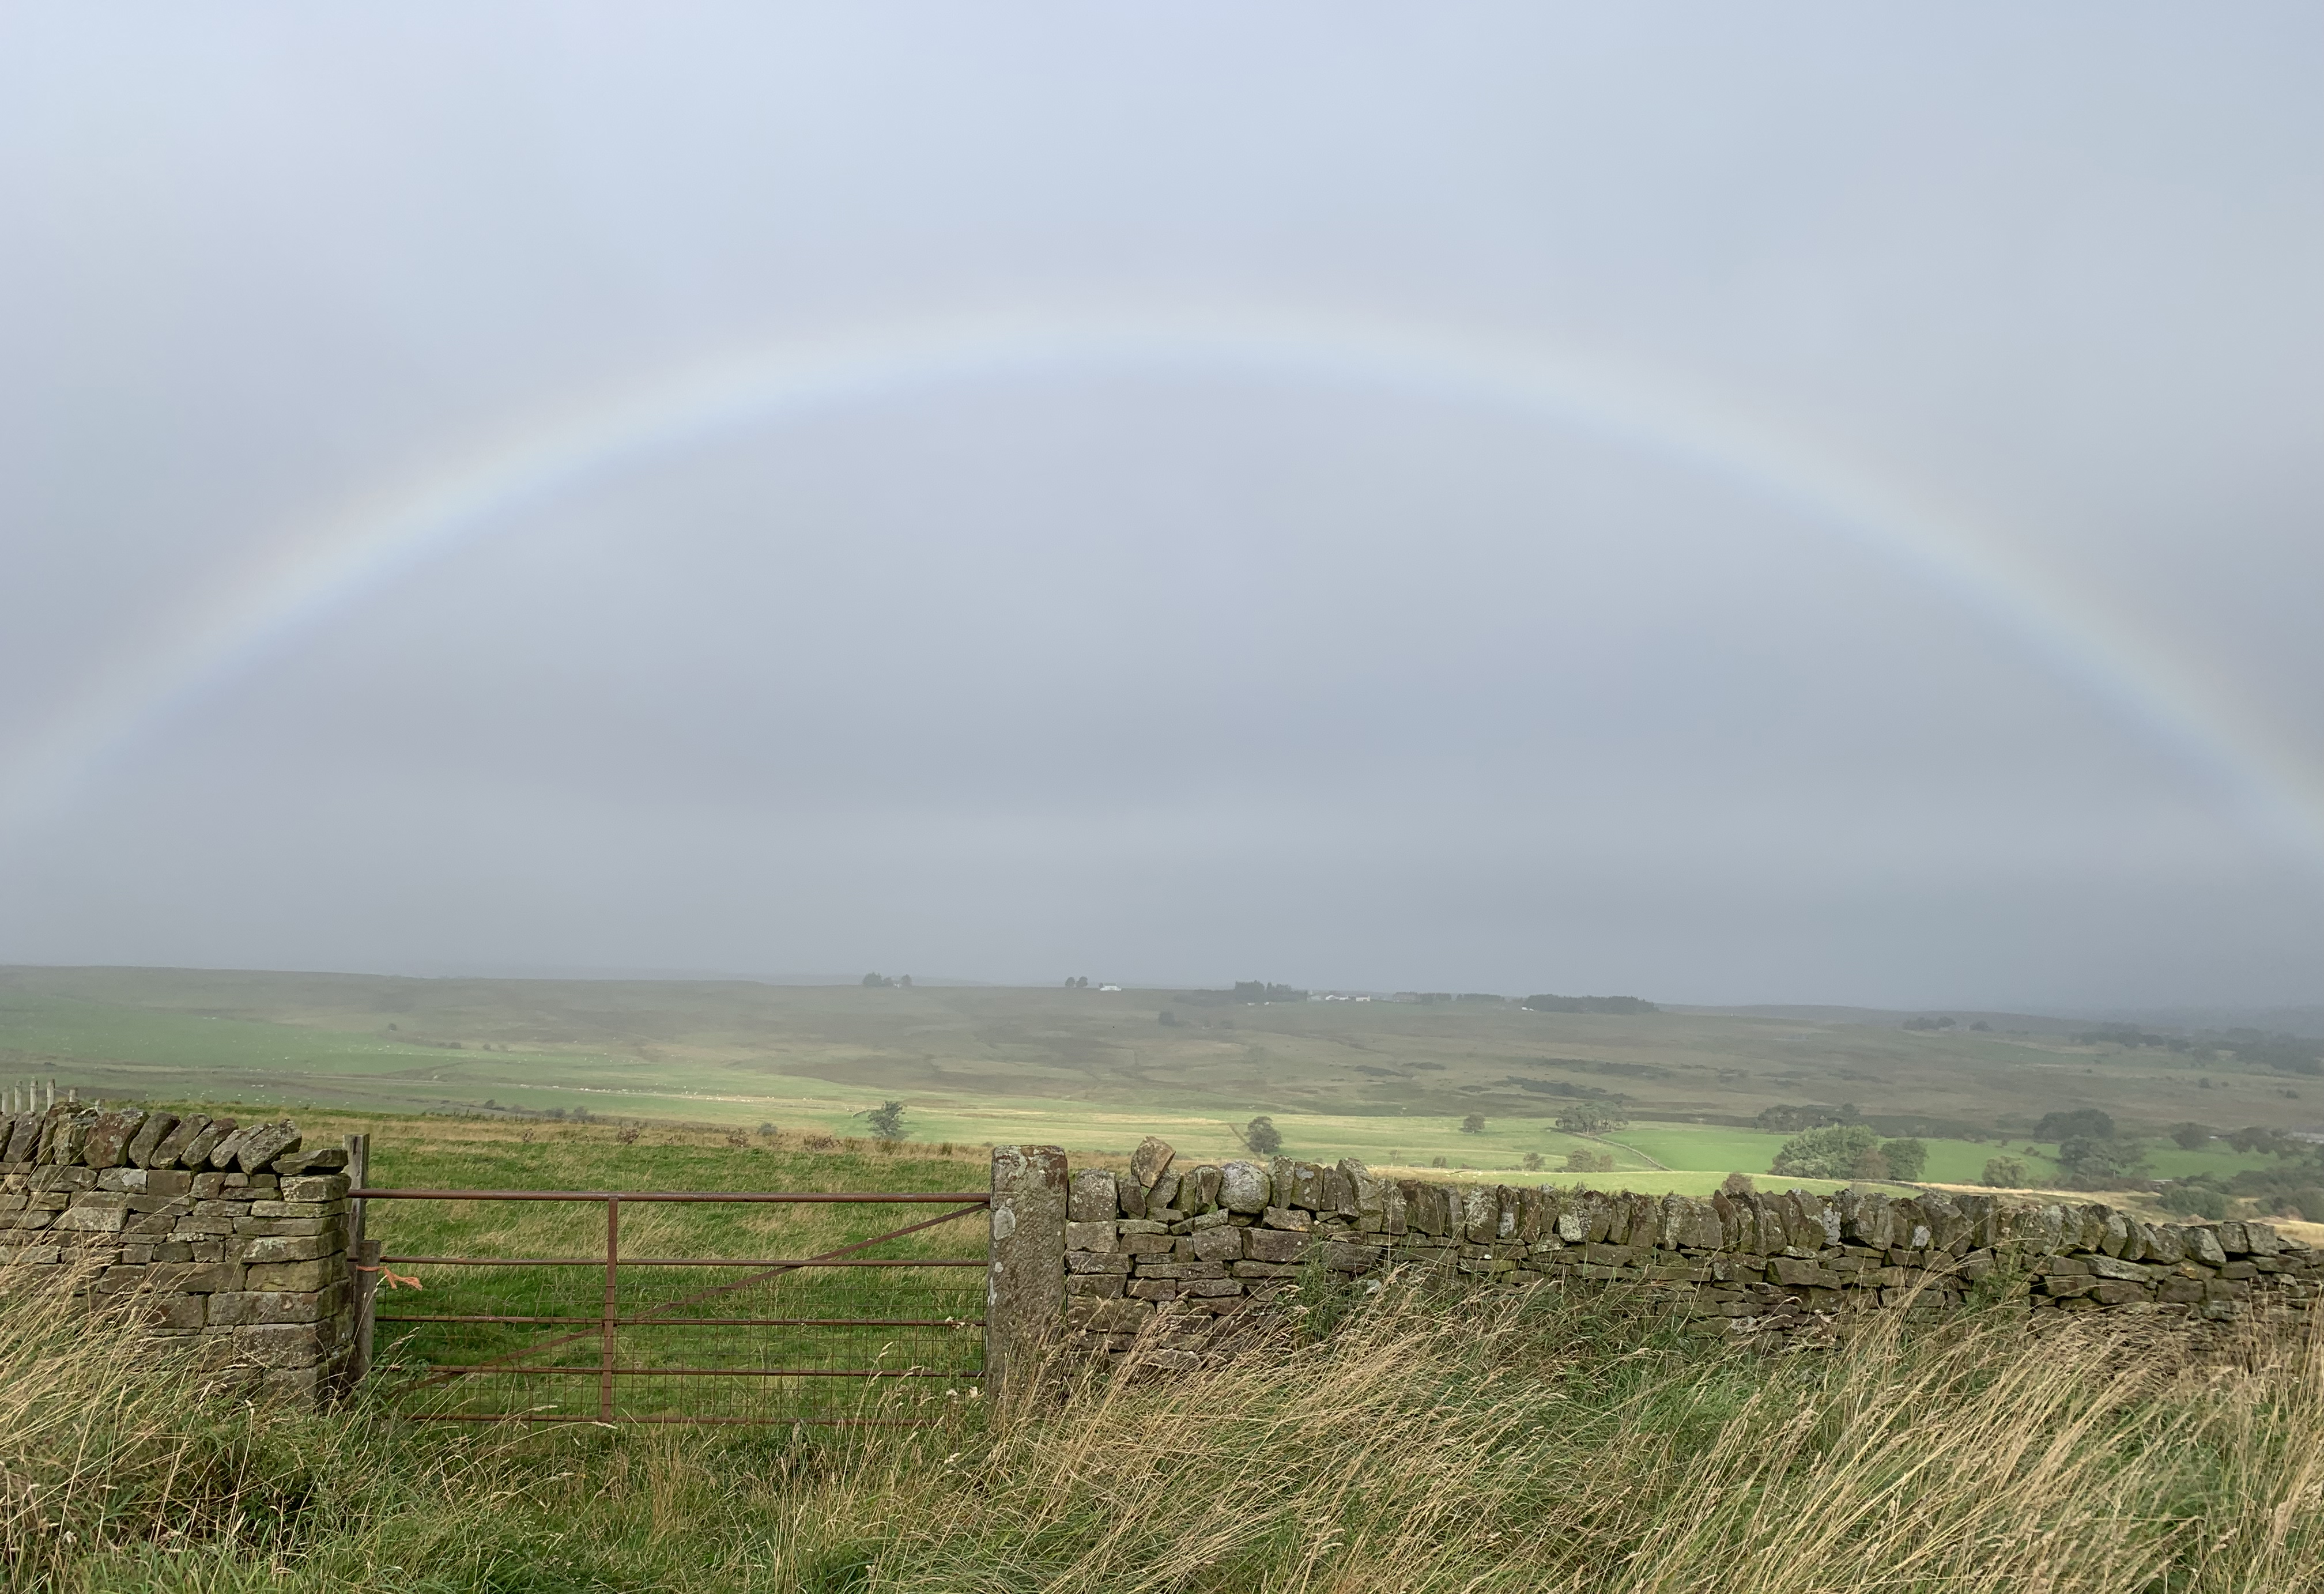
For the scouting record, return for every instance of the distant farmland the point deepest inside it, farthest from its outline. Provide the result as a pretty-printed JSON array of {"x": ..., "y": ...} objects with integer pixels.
[{"x": 1093, "y": 1070}]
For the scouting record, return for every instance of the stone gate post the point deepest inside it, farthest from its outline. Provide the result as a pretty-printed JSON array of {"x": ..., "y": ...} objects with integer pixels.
[{"x": 1024, "y": 1271}]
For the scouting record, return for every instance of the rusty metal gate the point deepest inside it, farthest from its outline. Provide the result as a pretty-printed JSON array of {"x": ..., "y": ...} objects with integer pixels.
[{"x": 827, "y": 1325}]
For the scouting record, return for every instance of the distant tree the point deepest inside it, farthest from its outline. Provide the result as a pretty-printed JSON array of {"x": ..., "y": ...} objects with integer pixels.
[
  {"x": 2085, "y": 1123},
  {"x": 1582, "y": 1161},
  {"x": 2255, "y": 1137},
  {"x": 1907, "y": 1159},
  {"x": 1736, "y": 1185},
  {"x": 1789, "y": 1120},
  {"x": 2195, "y": 1198},
  {"x": 1435, "y": 1162},
  {"x": 1167, "y": 1017},
  {"x": 1474, "y": 1124},
  {"x": 1533, "y": 1162},
  {"x": 1588, "y": 1118},
  {"x": 1627, "y": 1005},
  {"x": 2004, "y": 1173},
  {"x": 1981, "y": 1025},
  {"x": 1871, "y": 1165},
  {"x": 2086, "y": 1162},
  {"x": 877, "y": 979},
  {"x": 1261, "y": 1136},
  {"x": 1927, "y": 1023},
  {"x": 886, "y": 1121},
  {"x": 1831, "y": 1153},
  {"x": 905, "y": 981},
  {"x": 2191, "y": 1137},
  {"x": 767, "y": 1130}
]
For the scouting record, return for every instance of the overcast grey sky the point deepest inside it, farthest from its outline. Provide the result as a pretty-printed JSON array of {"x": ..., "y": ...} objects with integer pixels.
[{"x": 1168, "y": 654}]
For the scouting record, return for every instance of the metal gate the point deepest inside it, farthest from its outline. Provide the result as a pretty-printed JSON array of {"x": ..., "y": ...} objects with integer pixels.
[{"x": 826, "y": 1325}]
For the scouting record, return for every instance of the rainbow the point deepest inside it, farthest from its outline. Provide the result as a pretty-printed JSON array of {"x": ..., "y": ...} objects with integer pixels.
[{"x": 334, "y": 566}]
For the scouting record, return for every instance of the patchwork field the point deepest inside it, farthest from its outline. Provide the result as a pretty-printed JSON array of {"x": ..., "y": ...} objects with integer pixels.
[{"x": 1389, "y": 1082}]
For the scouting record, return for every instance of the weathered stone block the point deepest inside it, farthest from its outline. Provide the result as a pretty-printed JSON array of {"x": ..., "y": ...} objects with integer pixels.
[
  {"x": 196, "y": 1153},
  {"x": 292, "y": 1275},
  {"x": 241, "y": 1307},
  {"x": 273, "y": 1248},
  {"x": 1198, "y": 1191},
  {"x": 262, "y": 1144},
  {"x": 107, "y": 1144},
  {"x": 224, "y": 1150},
  {"x": 284, "y": 1344},
  {"x": 320, "y": 1159},
  {"x": 1149, "y": 1162},
  {"x": 1090, "y": 1236},
  {"x": 1145, "y": 1245},
  {"x": 170, "y": 1151},
  {"x": 1244, "y": 1187},
  {"x": 329, "y": 1187},
  {"x": 1096, "y": 1262},
  {"x": 1218, "y": 1244},
  {"x": 139, "y": 1152},
  {"x": 1290, "y": 1218},
  {"x": 205, "y": 1277},
  {"x": 90, "y": 1219},
  {"x": 1271, "y": 1245},
  {"x": 1091, "y": 1199},
  {"x": 1101, "y": 1315},
  {"x": 1352, "y": 1259},
  {"x": 1094, "y": 1284}
]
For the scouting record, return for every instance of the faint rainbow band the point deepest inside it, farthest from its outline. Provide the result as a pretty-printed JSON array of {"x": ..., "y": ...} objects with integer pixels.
[{"x": 334, "y": 566}]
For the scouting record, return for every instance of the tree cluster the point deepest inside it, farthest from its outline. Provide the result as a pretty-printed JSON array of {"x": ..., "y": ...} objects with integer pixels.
[
  {"x": 1850, "y": 1151},
  {"x": 1589, "y": 1004}
]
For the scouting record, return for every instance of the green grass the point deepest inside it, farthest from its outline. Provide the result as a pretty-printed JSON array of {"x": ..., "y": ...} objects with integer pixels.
[{"x": 1486, "y": 1444}]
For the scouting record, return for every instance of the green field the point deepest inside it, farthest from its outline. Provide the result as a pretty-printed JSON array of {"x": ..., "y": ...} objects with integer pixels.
[{"x": 1096, "y": 1071}]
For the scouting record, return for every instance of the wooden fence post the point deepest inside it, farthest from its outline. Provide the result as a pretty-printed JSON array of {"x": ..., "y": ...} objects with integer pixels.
[
  {"x": 362, "y": 1262},
  {"x": 1025, "y": 1267}
]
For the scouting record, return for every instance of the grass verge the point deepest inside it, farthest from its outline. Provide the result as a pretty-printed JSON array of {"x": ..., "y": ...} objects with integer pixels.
[{"x": 1520, "y": 1443}]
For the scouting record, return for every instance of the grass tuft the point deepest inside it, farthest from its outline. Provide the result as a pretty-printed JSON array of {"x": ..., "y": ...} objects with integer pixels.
[{"x": 1513, "y": 1443}]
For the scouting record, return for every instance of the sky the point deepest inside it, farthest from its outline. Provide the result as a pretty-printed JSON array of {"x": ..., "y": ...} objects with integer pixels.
[{"x": 1796, "y": 505}]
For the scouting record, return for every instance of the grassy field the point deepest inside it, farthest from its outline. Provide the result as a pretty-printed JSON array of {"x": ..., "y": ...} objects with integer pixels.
[
  {"x": 1388, "y": 1444},
  {"x": 1094, "y": 1071}
]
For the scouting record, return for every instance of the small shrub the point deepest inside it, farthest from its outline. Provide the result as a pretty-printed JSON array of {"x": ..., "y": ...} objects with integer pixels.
[{"x": 2004, "y": 1173}]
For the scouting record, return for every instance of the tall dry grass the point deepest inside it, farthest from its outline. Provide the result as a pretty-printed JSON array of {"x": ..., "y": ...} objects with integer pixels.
[{"x": 1514, "y": 1444}]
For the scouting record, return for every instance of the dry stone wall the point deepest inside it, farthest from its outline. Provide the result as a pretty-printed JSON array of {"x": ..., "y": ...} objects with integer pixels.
[
  {"x": 227, "y": 1234},
  {"x": 1156, "y": 1257}
]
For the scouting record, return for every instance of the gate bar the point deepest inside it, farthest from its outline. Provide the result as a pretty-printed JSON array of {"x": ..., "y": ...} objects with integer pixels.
[
  {"x": 685, "y": 1261},
  {"x": 364, "y": 1193}
]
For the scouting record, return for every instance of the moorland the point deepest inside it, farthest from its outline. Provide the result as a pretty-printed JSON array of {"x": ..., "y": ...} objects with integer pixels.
[{"x": 1698, "y": 1093}]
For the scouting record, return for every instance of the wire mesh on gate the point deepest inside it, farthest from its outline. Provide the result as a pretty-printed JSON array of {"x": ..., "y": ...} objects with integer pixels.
[{"x": 604, "y": 1307}]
